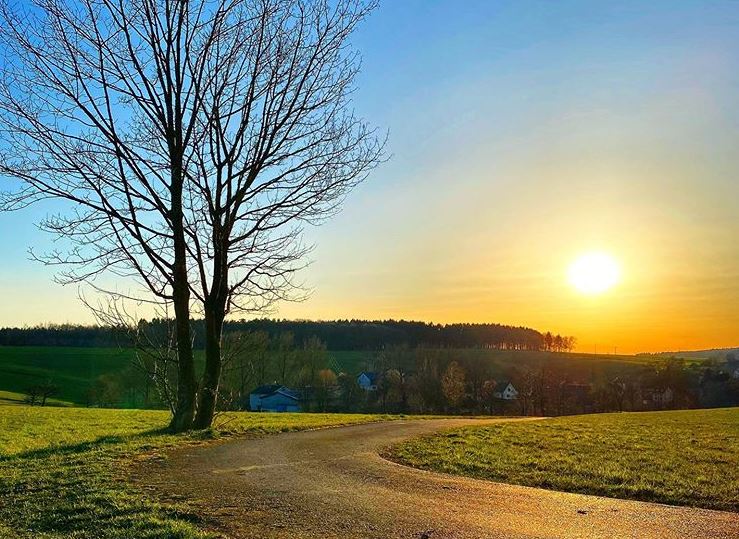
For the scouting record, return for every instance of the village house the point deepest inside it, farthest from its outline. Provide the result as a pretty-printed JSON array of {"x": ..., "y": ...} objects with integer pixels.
[
  {"x": 504, "y": 390},
  {"x": 367, "y": 381},
  {"x": 274, "y": 398}
]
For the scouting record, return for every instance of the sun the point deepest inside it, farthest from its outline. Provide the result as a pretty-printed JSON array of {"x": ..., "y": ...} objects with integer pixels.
[{"x": 594, "y": 273}]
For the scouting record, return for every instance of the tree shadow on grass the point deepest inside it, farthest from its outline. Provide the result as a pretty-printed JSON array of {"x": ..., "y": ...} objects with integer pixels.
[
  {"x": 101, "y": 443},
  {"x": 72, "y": 490}
]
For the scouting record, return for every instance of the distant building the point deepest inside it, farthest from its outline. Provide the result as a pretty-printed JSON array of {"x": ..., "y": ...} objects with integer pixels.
[
  {"x": 274, "y": 398},
  {"x": 367, "y": 381},
  {"x": 505, "y": 390}
]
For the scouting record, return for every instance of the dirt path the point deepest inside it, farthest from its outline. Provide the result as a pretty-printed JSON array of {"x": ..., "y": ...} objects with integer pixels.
[{"x": 333, "y": 484}]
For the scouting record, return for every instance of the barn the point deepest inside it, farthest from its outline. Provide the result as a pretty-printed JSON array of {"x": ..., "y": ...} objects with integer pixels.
[{"x": 274, "y": 398}]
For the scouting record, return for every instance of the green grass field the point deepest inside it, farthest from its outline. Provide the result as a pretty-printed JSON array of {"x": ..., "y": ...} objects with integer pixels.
[
  {"x": 74, "y": 370},
  {"x": 62, "y": 470},
  {"x": 683, "y": 457},
  {"x": 13, "y": 398}
]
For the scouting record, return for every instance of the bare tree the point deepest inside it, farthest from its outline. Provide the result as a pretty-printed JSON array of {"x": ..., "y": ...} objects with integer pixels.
[
  {"x": 33, "y": 394},
  {"x": 285, "y": 355},
  {"x": 97, "y": 108},
  {"x": 280, "y": 148},
  {"x": 453, "y": 385},
  {"x": 154, "y": 345},
  {"x": 193, "y": 140},
  {"x": 487, "y": 394}
]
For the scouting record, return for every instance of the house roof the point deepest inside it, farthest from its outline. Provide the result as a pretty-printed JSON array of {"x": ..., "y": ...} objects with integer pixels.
[
  {"x": 266, "y": 390},
  {"x": 500, "y": 386},
  {"x": 372, "y": 376},
  {"x": 285, "y": 392}
]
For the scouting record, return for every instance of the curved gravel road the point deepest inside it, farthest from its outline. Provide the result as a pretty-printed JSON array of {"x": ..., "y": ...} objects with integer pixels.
[{"x": 332, "y": 483}]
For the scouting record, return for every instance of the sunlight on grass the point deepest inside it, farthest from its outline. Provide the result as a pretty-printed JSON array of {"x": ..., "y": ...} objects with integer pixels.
[
  {"x": 683, "y": 457},
  {"x": 61, "y": 469}
]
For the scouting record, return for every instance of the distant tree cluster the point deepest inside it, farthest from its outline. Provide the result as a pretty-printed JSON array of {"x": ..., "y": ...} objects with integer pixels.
[
  {"x": 558, "y": 343},
  {"x": 39, "y": 394},
  {"x": 376, "y": 334},
  {"x": 337, "y": 335},
  {"x": 76, "y": 335}
]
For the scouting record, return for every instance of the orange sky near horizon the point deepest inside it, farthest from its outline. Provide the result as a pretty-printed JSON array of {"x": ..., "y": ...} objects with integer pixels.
[{"x": 679, "y": 286}]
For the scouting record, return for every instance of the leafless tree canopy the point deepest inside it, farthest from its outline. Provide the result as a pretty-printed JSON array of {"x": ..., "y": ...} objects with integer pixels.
[
  {"x": 279, "y": 145},
  {"x": 97, "y": 96}
]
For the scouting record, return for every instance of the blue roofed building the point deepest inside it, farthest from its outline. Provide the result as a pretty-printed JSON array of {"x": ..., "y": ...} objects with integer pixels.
[
  {"x": 367, "y": 381},
  {"x": 274, "y": 398}
]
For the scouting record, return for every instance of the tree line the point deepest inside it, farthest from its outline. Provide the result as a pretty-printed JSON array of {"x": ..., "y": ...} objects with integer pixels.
[{"x": 336, "y": 335}]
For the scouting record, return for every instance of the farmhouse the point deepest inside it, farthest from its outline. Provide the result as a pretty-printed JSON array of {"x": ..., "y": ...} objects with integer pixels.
[
  {"x": 505, "y": 390},
  {"x": 367, "y": 381},
  {"x": 274, "y": 398}
]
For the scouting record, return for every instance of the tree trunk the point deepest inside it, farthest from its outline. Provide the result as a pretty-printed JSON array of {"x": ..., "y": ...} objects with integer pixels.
[
  {"x": 215, "y": 313},
  {"x": 212, "y": 374},
  {"x": 186, "y": 382}
]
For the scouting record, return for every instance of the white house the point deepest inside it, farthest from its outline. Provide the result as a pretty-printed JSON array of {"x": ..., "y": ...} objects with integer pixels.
[
  {"x": 505, "y": 390},
  {"x": 274, "y": 398},
  {"x": 367, "y": 381}
]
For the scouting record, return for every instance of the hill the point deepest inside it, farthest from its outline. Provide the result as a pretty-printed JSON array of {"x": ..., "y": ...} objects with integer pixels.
[
  {"x": 72, "y": 370},
  {"x": 718, "y": 354}
]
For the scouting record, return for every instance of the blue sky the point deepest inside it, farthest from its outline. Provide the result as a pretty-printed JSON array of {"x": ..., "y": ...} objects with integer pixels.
[{"x": 523, "y": 133}]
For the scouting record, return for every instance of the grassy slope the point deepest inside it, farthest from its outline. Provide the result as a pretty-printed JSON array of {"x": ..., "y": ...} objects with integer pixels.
[
  {"x": 60, "y": 469},
  {"x": 502, "y": 360},
  {"x": 74, "y": 369},
  {"x": 718, "y": 354},
  {"x": 683, "y": 457},
  {"x": 12, "y": 398},
  {"x": 71, "y": 369}
]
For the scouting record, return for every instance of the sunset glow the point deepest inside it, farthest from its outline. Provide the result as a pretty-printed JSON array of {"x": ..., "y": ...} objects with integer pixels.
[{"x": 594, "y": 273}]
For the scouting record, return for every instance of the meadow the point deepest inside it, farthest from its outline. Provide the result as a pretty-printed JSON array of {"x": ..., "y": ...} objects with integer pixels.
[
  {"x": 13, "y": 398},
  {"x": 676, "y": 457},
  {"x": 62, "y": 470},
  {"x": 74, "y": 370}
]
